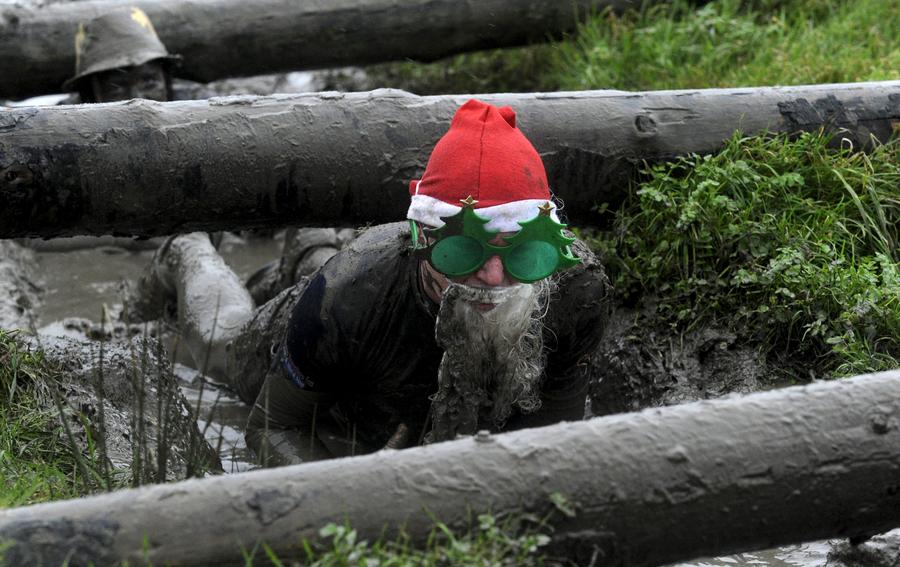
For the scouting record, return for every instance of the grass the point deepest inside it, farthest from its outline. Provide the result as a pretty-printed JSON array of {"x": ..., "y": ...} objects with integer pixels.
[
  {"x": 725, "y": 44},
  {"x": 678, "y": 45},
  {"x": 789, "y": 242},
  {"x": 517, "y": 69},
  {"x": 35, "y": 465},
  {"x": 489, "y": 541},
  {"x": 40, "y": 459}
]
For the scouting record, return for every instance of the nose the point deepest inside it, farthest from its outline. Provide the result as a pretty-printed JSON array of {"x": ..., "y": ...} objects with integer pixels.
[{"x": 491, "y": 273}]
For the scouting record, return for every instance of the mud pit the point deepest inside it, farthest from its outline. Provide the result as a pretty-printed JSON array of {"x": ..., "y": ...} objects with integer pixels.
[{"x": 77, "y": 284}]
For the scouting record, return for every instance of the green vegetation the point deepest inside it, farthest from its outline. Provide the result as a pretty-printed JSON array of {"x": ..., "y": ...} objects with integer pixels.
[
  {"x": 518, "y": 69},
  {"x": 513, "y": 541},
  {"x": 789, "y": 243},
  {"x": 677, "y": 45},
  {"x": 489, "y": 541},
  {"x": 726, "y": 44},
  {"x": 34, "y": 464}
]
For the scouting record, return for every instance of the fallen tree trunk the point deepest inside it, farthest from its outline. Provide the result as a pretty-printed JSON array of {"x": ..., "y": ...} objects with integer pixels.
[
  {"x": 229, "y": 38},
  {"x": 653, "y": 487},
  {"x": 143, "y": 168}
]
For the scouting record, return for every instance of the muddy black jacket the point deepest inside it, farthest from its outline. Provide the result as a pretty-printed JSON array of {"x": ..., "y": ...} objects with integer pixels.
[{"x": 361, "y": 337}]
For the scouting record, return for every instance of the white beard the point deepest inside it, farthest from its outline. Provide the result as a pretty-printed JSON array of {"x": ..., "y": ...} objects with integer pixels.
[{"x": 493, "y": 360}]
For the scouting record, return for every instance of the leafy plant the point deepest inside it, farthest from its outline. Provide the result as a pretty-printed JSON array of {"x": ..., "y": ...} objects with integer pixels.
[
  {"x": 34, "y": 464},
  {"x": 789, "y": 242},
  {"x": 728, "y": 43}
]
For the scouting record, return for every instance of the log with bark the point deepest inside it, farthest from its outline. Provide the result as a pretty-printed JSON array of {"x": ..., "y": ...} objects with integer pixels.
[
  {"x": 144, "y": 168},
  {"x": 229, "y": 38},
  {"x": 648, "y": 488}
]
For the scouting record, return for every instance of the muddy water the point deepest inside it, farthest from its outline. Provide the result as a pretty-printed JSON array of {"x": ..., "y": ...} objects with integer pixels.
[
  {"x": 803, "y": 555},
  {"x": 79, "y": 283}
]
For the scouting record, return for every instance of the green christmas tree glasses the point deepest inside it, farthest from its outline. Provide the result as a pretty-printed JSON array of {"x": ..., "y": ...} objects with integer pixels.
[{"x": 462, "y": 245}]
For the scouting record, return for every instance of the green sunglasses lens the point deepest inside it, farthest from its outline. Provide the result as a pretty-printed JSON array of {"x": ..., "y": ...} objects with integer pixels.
[
  {"x": 457, "y": 255},
  {"x": 531, "y": 261}
]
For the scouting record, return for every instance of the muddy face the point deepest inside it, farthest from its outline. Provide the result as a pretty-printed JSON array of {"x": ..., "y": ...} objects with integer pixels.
[{"x": 147, "y": 81}]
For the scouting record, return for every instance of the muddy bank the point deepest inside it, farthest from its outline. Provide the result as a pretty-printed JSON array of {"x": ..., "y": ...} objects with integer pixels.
[
  {"x": 124, "y": 407},
  {"x": 879, "y": 551},
  {"x": 121, "y": 403},
  {"x": 638, "y": 365}
]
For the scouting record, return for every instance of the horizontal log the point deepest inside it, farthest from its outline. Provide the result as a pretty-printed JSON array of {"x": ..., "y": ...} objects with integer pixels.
[
  {"x": 144, "y": 168},
  {"x": 663, "y": 485},
  {"x": 229, "y": 38}
]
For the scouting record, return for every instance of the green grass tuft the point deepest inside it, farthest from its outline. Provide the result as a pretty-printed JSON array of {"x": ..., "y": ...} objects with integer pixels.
[
  {"x": 725, "y": 43},
  {"x": 35, "y": 465},
  {"x": 515, "y": 540},
  {"x": 786, "y": 241},
  {"x": 679, "y": 45}
]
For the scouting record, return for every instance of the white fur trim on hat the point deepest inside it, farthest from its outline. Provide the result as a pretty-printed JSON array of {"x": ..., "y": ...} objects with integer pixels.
[{"x": 503, "y": 218}]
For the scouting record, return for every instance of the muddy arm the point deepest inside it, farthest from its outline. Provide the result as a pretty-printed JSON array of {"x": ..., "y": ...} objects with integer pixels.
[{"x": 281, "y": 427}]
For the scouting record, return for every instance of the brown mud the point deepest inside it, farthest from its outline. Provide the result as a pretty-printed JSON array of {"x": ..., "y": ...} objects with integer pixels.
[
  {"x": 122, "y": 403},
  {"x": 638, "y": 365},
  {"x": 879, "y": 551},
  {"x": 79, "y": 286}
]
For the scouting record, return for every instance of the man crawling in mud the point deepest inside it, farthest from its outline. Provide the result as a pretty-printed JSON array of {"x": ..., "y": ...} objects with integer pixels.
[{"x": 479, "y": 313}]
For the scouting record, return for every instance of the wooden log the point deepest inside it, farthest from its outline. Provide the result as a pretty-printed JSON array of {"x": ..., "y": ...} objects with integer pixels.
[
  {"x": 229, "y": 38},
  {"x": 144, "y": 168},
  {"x": 662, "y": 485}
]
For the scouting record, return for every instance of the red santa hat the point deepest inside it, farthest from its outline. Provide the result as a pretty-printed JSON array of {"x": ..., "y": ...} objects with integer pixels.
[{"x": 483, "y": 155}]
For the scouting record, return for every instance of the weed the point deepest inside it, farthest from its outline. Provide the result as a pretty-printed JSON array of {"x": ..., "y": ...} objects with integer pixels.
[
  {"x": 34, "y": 464},
  {"x": 677, "y": 45},
  {"x": 519, "y": 69},
  {"x": 517, "y": 539},
  {"x": 728, "y": 43},
  {"x": 786, "y": 241}
]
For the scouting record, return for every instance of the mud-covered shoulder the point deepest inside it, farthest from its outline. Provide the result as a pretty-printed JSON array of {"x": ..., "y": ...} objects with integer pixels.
[
  {"x": 389, "y": 237},
  {"x": 372, "y": 265},
  {"x": 346, "y": 306}
]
